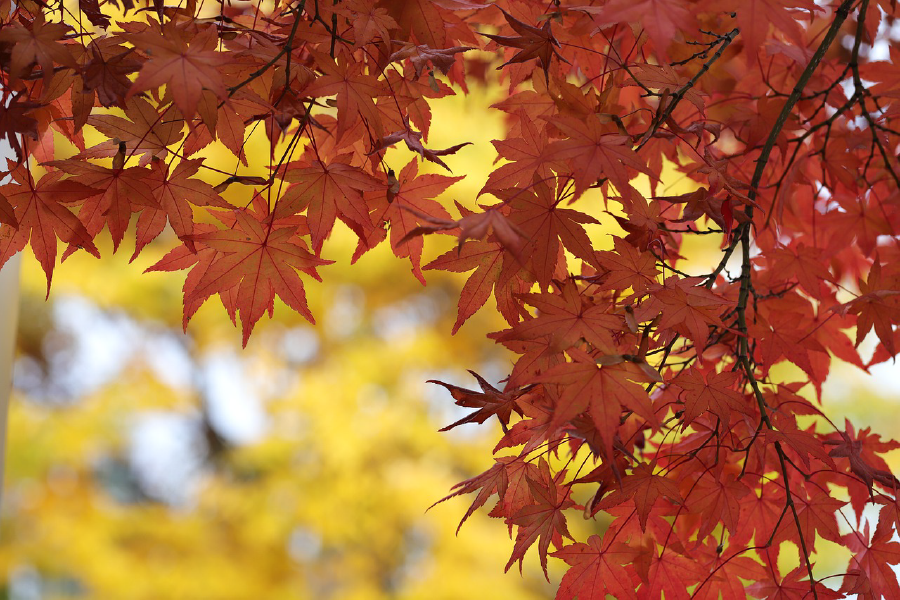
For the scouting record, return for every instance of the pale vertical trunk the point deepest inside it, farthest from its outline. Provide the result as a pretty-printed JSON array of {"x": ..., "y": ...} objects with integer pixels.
[{"x": 9, "y": 310}]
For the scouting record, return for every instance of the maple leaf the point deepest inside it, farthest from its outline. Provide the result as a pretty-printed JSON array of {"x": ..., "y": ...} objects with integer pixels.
[
  {"x": 878, "y": 306},
  {"x": 543, "y": 520},
  {"x": 528, "y": 154},
  {"x": 537, "y": 214},
  {"x": 38, "y": 42},
  {"x": 793, "y": 586},
  {"x": 816, "y": 516},
  {"x": 176, "y": 190},
  {"x": 687, "y": 308},
  {"x": 626, "y": 267},
  {"x": 716, "y": 499},
  {"x": 186, "y": 69},
  {"x": 671, "y": 574},
  {"x": 603, "y": 391},
  {"x": 413, "y": 140},
  {"x": 596, "y": 570},
  {"x": 660, "y": 18},
  {"x": 354, "y": 92},
  {"x": 505, "y": 478},
  {"x": 259, "y": 258},
  {"x": 533, "y": 42},
  {"x": 755, "y": 17},
  {"x": 593, "y": 153},
  {"x": 566, "y": 318},
  {"x": 411, "y": 202},
  {"x": 644, "y": 488},
  {"x": 664, "y": 77},
  {"x": 422, "y": 18},
  {"x": 106, "y": 72},
  {"x": 493, "y": 271},
  {"x": 326, "y": 191},
  {"x": 7, "y": 213},
  {"x": 699, "y": 203},
  {"x": 122, "y": 191},
  {"x": 186, "y": 256},
  {"x": 870, "y": 573},
  {"x": 726, "y": 572},
  {"x": 712, "y": 392},
  {"x": 43, "y": 217},
  {"x": 369, "y": 21},
  {"x": 861, "y": 452},
  {"x": 803, "y": 443},
  {"x": 419, "y": 56},
  {"x": 804, "y": 262},
  {"x": 91, "y": 9},
  {"x": 473, "y": 226},
  {"x": 144, "y": 130},
  {"x": 489, "y": 402},
  {"x": 15, "y": 121}
]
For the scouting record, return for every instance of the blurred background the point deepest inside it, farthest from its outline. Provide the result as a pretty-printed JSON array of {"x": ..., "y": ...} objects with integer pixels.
[{"x": 147, "y": 463}]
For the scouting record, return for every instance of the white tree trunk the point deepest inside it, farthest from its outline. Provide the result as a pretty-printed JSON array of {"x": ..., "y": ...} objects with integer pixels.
[{"x": 9, "y": 311}]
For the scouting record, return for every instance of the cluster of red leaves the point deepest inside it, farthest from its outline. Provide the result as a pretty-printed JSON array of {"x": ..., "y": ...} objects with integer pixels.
[{"x": 642, "y": 387}]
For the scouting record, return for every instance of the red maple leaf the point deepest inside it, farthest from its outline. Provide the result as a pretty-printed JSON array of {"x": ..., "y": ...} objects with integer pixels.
[
  {"x": 592, "y": 152},
  {"x": 122, "y": 191},
  {"x": 793, "y": 586},
  {"x": 328, "y": 191},
  {"x": 878, "y": 306},
  {"x": 715, "y": 497},
  {"x": 176, "y": 190},
  {"x": 507, "y": 478},
  {"x": 565, "y": 318},
  {"x": 870, "y": 573},
  {"x": 189, "y": 256},
  {"x": 528, "y": 156},
  {"x": 644, "y": 488},
  {"x": 36, "y": 42},
  {"x": 408, "y": 205},
  {"x": 185, "y": 68},
  {"x": 106, "y": 72},
  {"x": 369, "y": 21},
  {"x": 532, "y": 42},
  {"x": 7, "y": 213},
  {"x": 424, "y": 19},
  {"x": 420, "y": 56},
  {"x": 543, "y": 520},
  {"x": 259, "y": 257},
  {"x": 43, "y": 217},
  {"x": 712, "y": 392},
  {"x": 686, "y": 308},
  {"x": 145, "y": 131},
  {"x": 536, "y": 213},
  {"x": 627, "y": 266},
  {"x": 15, "y": 121},
  {"x": 354, "y": 91},
  {"x": 861, "y": 451},
  {"x": 489, "y": 402},
  {"x": 603, "y": 391},
  {"x": 495, "y": 270},
  {"x": 413, "y": 140},
  {"x": 596, "y": 570},
  {"x": 660, "y": 18}
]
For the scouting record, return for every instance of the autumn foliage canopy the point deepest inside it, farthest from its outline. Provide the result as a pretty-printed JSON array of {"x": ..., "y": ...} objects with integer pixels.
[{"x": 644, "y": 386}]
